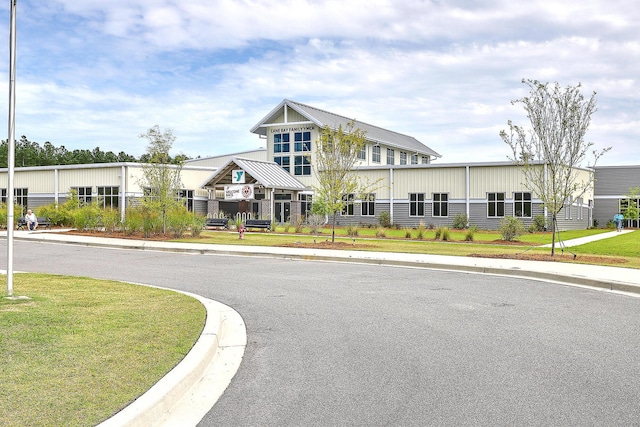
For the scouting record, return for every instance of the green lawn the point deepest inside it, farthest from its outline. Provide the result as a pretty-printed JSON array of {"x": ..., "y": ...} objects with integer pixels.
[
  {"x": 484, "y": 242},
  {"x": 81, "y": 349}
]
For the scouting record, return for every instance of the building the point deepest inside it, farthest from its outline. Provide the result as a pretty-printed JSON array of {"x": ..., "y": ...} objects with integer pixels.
[
  {"x": 277, "y": 182},
  {"x": 613, "y": 187}
]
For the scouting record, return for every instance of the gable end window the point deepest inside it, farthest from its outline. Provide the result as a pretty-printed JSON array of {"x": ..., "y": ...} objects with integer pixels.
[{"x": 281, "y": 143}]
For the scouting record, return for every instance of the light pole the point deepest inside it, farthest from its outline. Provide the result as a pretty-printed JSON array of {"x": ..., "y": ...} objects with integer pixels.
[{"x": 11, "y": 142}]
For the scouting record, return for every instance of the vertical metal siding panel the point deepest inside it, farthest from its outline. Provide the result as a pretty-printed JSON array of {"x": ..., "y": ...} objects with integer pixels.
[
  {"x": 35, "y": 181},
  {"x": 429, "y": 181}
]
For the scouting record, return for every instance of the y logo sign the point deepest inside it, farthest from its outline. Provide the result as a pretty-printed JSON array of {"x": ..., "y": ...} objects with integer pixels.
[{"x": 237, "y": 177}]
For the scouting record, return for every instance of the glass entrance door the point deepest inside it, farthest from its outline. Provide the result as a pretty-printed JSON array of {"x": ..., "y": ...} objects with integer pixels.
[{"x": 283, "y": 212}]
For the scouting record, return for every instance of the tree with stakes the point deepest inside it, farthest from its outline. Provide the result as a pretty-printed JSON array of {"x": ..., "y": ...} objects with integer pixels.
[{"x": 551, "y": 152}]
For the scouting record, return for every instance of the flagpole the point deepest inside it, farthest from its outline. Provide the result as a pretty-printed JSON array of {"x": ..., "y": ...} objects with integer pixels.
[{"x": 11, "y": 147}]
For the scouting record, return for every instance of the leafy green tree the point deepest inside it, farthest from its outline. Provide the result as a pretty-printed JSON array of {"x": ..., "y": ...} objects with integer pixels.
[
  {"x": 630, "y": 209},
  {"x": 161, "y": 179},
  {"x": 554, "y": 147},
  {"x": 335, "y": 166}
]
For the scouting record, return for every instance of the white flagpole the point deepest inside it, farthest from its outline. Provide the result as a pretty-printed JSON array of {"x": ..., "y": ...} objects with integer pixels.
[{"x": 11, "y": 145}]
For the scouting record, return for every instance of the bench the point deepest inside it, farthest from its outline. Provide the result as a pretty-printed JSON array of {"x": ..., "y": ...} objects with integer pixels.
[
  {"x": 217, "y": 222},
  {"x": 42, "y": 223},
  {"x": 258, "y": 223}
]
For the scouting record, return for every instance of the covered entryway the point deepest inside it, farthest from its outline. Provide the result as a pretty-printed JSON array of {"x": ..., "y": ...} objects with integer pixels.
[{"x": 253, "y": 189}]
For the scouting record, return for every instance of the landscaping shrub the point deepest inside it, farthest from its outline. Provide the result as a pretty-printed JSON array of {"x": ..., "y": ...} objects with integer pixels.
[
  {"x": 352, "y": 230},
  {"x": 198, "y": 223},
  {"x": 539, "y": 223},
  {"x": 445, "y": 236},
  {"x": 421, "y": 231},
  {"x": 298, "y": 223},
  {"x": 511, "y": 228},
  {"x": 469, "y": 235},
  {"x": 315, "y": 222},
  {"x": 407, "y": 233},
  {"x": 460, "y": 221},
  {"x": 178, "y": 221},
  {"x": 133, "y": 221},
  {"x": 384, "y": 219},
  {"x": 381, "y": 232},
  {"x": 110, "y": 220}
]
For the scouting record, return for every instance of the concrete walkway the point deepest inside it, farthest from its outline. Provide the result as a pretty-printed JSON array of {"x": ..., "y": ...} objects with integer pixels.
[
  {"x": 187, "y": 393},
  {"x": 588, "y": 239}
]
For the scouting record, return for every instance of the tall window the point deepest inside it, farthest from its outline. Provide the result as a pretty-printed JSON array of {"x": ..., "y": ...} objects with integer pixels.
[
  {"x": 403, "y": 157},
  {"x": 20, "y": 196},
  {"x": 284, "y": 162},
  {"x": 109, "y": 196},
  {"x": 187, "y": 198},
  {"x": 302, "y": 165},
  {"x": 302, "y": 141},
  {"x": 414, "y": 159},
  {"x": 368, "y": 205},
  {"x": 362, "y": 154},
  {"x": 391, "y": 156},
  {"x": 440, "y": 204},
  {"x": 495, "y": 205},
  {"x": 416, "y": 204},
  {"x": 83, "y": 194},
  {"x": 281, "y": 143},
  {"x": 306, "y": 201},
  {"x": 375, "y": 154},
  {"x": 347, "y": 210},
  {"x": 522, "y": 204}
]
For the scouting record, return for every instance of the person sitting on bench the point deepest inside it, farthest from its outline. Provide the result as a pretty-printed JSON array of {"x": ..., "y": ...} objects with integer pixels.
[{"x": 31, "y": 219}]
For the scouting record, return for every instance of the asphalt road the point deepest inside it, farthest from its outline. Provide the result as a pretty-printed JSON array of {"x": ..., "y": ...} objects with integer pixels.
[{"x": 345, "y": 344}]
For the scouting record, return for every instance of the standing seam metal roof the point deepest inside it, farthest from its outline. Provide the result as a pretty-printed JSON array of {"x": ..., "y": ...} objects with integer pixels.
[
  {"x": 268, "y": 174},
  {"x": 374, "y": 133}
]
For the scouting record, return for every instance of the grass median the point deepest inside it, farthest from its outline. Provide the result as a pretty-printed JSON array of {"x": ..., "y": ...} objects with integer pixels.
[{"x": 79, "y": 350}]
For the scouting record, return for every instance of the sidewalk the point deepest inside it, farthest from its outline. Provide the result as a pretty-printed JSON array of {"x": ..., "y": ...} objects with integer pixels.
[
  {"x": 200, "y": 379},
  {"x": 583, "y": 240}
]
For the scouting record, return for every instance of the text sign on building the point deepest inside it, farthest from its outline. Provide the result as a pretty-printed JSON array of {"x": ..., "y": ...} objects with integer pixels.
[
  {"x": 238, "y": 192},
  {"x": 237, "y": 176}
]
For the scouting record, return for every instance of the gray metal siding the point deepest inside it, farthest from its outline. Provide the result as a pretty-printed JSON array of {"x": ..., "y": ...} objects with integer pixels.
[{"x": 616, "y": 180}]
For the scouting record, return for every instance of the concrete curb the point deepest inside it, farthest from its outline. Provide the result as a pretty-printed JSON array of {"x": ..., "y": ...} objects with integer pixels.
[{"x": 177, "y": 399}]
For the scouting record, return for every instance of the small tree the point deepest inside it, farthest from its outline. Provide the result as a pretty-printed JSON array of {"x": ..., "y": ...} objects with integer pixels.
[
  {"x": 551, "y": 151},
  {"x": 161, "y": 179},
  {"x": 630, "y": 208},
  {"x": 336, "y": 156}
]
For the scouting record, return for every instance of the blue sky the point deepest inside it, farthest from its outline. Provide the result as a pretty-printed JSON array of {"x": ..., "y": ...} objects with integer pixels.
[{"x": 94, "y": 73}]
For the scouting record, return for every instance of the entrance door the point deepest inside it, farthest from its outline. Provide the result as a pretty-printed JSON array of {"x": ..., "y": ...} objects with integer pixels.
[{"x": 283, "y": 211}]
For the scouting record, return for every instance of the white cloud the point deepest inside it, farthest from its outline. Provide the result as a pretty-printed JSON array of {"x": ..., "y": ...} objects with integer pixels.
[{"x": 95, "y": 73}]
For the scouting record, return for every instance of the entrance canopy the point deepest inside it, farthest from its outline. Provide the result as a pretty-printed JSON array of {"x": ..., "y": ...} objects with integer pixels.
[{"x": 265, "y": 174}]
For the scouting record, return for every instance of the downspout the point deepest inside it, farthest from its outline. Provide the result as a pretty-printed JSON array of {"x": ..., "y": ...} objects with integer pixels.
[
  {"x": 56, "y": 193},
  {"x": 467, "y": 192},
  {"x": 123, "y": 188},
  {"x": 391, "y": 195}
]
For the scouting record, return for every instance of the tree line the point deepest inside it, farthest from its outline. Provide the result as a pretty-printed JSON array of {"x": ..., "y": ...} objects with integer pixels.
[{"x": 31, "y": 153}]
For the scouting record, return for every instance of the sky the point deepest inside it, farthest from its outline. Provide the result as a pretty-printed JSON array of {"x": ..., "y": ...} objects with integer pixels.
[{"x": 97, "y": 73}]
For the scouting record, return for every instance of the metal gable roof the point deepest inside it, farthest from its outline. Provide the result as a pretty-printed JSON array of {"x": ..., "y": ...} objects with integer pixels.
[
  {"x": 267, "y": 174},
  {"x": 325, "y": 118}
]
